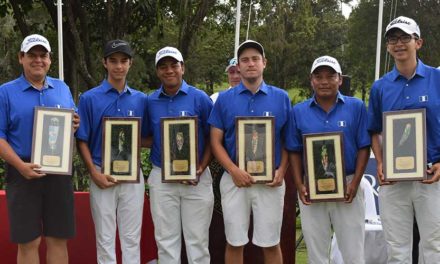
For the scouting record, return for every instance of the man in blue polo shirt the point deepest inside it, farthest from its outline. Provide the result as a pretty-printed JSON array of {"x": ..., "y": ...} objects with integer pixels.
[
  {"x": 330, "y": 111},
  {"x": 179, "y": 207},
  {"x": 38, "y": 204},
  {"x": 410, "y": 85},
  {"x": 112, "y": 204},
  {"x": 252, "y": 97}
]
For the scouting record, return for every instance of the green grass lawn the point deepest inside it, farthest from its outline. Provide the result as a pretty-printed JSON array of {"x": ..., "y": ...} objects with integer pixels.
[{"x": 301, "y": 252}]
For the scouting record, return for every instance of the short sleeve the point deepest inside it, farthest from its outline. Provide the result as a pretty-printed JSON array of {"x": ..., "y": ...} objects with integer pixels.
[{"x": 375, "y": 110}]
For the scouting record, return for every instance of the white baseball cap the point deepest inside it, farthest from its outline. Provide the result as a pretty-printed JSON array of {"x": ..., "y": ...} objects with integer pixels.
[
  {"x": 34, "y": 40},
  {"x": 406, "y": 24},
  {"x": 232, "y": 63},
  {"x": 169, "y": 52},
  {"x": 326, "y": 61}
]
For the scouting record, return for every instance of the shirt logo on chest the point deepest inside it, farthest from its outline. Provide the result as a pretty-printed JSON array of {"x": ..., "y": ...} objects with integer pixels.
[
  {"x": 342, "y": 123},
  {"x": 423, "y": 98}
]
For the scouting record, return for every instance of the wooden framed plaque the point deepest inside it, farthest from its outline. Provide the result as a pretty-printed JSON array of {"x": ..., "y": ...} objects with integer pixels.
[
  {"x": 255, "y": 137},
  {"x": 121, "y": 148},
  {"x": 324, "y": 166},
  {"x": 52, "y": 140},
  {"x": 179, "y": 149},
  {"x": 404, "y": 145}
]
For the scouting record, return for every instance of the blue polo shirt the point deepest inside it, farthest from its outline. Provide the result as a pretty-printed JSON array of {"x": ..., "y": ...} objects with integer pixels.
[
  {"x": 239, "y": 101},
  {"x": 18, "y": 99},
  {"x": 348, "y": 115},
  {"x": 394, "y": 92},
  {"x": 105, "y": 101},
  {"x": 190, "y": 99}
]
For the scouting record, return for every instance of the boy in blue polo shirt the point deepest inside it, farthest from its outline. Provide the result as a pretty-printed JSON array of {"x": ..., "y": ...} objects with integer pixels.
[
  {"x": 330, "y": 111},
  {"x": 178, "y": 207},
  {"x": 252, "y": 97},
  {"x": 112, "y": 204},
  {"x": 38, "y": 204},
  {"x": 410, "y": 85}
]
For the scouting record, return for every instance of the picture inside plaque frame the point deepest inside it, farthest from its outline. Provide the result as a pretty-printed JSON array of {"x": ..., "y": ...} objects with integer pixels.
[
  {"x": 121, "y": 149},
  {"x": 52, "y": 148},
  {"x": 325, "y": 168},
  {"x": 404, "y": 142},
  {"x": 255, "y": 149},
  {"x": 180, "y": 149}
]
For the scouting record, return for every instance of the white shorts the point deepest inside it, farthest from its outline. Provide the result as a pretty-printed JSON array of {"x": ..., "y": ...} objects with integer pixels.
[{"x": 266, "y": 204}]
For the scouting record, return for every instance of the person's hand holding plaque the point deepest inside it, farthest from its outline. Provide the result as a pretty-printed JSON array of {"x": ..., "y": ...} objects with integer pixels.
[
  {"x": 30, "y": 171},
  {"x": 241, "y": 178},
  {"x": 103, "y": 181},
  {"x": 303, "y": 194},
  {"x": 381, "y": 176},
  {"x": 278, "y": 179},
  {"x": 434, "y": 173},
  {"x": 75, "y": 121},
  {"x": 352, "y": 188}
]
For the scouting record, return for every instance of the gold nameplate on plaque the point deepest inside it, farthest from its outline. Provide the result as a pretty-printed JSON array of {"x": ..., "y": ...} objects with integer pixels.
[
  {"x": 49, "y": 160},
  {"x": 121, "y": 166},
  {"x": 180, "y": 165},
  {"x": 255, "y": 166},
  {"x": 405, "y": 163},
  {"x": 326, "y": 185}
]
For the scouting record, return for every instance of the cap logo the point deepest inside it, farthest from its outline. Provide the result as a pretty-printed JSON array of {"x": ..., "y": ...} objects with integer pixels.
[
  {"x": 397, "y": 21},
  {"x": 115, "y": 45},
  {"x": 30, "y": 40},
  {"x": 321, "y": 60},
  {"x": 166, "y": 52}
]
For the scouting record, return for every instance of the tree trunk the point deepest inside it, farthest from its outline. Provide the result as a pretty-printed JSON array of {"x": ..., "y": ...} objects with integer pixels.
[
  {"x": 191, "y": 24},
  {"x": 78, "y": 47},
  {"x": 19, "y": 17}
]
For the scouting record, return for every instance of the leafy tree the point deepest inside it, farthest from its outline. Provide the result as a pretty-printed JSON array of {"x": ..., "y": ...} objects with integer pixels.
[
  {"x": 361, "y": 49},
  {"x": 87, "y": 25},
  {"x": 425, "y": 13},
  {"x": 294, "y": 33}
]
